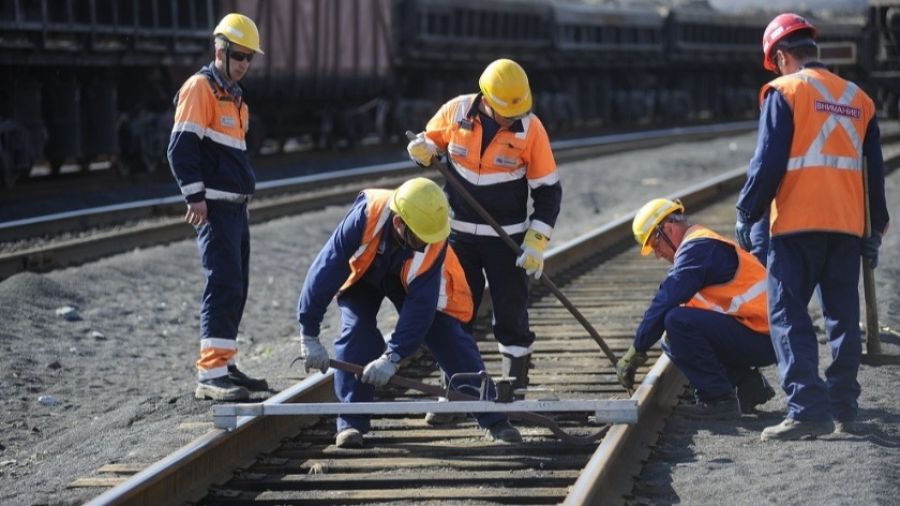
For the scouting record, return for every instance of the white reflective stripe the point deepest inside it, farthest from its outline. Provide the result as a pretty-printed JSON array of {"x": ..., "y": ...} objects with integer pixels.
[
  {"x": 486, "y": 230},
  {"x": 443, "y": 297},
  {"x": 462, "y": 108},
  {"x": 457, "y": 149},
  {"x": 218, "y": 342},
  {"x": 541, "y": 227},
  {"x": 814, "y": 156},
  {"x": 548, "y": 180},
  {"x": 415, "y": 263},
  {"x": 753, "y": 292},
  {"x": 515, "y": 351},
  {"x": 189, "y": 126},
  {"x": 226, "y": 196},
  {"x": 382, "y": 218},
  {"x": 712, "y": 306},
  {"x": 489, "y": 179},
  {"x": 190, "y": 189},
  {"x": 216, "y": 372},
  {"x": 231, "y": 361},
  {"x": 226, "y": 140}
]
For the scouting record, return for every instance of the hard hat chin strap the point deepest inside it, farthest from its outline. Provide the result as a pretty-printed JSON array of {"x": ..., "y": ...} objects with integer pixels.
[{"x": 228, "y": 59}]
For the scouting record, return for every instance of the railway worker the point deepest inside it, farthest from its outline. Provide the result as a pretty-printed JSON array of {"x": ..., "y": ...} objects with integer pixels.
[
  {"x": 712, "y": 307},
  {"x": 391, "y": 244},
  {"x": 815, "y": 131},
  {"x": 499, "y": 151},
  {"x": 208, "y": 156}
]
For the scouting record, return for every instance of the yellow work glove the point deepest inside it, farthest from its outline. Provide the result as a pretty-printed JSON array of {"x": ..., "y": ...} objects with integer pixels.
[
  {"x": 532, "y": 257},
  {"x": 421, "y": 150},
  {"x": 627, "y": 366}
]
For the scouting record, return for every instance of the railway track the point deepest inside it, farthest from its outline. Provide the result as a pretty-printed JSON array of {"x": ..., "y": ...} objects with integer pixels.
[{"x": 117, "y": 228}]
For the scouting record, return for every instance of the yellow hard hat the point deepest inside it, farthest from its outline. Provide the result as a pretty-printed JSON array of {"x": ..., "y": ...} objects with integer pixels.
[
  {"x": 240, "y": 30},
  {"x": 422, "y": 205},
  {"x": 649, "y": 216},
  {"x": 504, "y": 85}
]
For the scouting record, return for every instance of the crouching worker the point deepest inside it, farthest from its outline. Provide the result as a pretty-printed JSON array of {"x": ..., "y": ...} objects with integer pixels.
[
  {"x": 712, "y": 307},
  {"x": 391, "y": 244}
]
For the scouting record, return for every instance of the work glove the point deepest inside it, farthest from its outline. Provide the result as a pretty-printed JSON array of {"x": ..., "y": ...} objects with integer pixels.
[
  {"x": 532, "y": 257},
  {"x": 627, "y": 366},
  {"x": 870, "y": 247},
  {"x": 379, "y": 371},
  {"x": 421, "y": 150},
  {"x": 314, "y": 355},
  {"x": 742, "y": 233}
]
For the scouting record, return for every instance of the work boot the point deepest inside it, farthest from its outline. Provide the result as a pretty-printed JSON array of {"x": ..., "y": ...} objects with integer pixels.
[
  {"x": 850, "y": 427},
  {"x": 438, "y": 419},
  {"x": 504, "y": 431},
  {"x": 516, "y": 367},
  {"x": 349, "y": 438},
  {"x": 790, "y": 429},
  {"x": 726, "y": 407},
  {"x": 753, "y": 390},
  {"x": 242, "y": 380},
  {"x": 220, "y": 389}
]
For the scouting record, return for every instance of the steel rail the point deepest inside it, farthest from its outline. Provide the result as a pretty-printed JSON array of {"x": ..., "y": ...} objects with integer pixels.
[{"x": 184, "y": 474}]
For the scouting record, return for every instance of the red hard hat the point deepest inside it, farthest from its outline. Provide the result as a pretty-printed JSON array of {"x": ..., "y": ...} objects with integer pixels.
[{"x": 779, "y": 28}]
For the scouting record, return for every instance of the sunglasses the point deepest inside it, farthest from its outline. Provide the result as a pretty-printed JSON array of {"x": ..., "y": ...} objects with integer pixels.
[
  {"x": 238, "y": 56},
  {"x": 412, "y": 241}
]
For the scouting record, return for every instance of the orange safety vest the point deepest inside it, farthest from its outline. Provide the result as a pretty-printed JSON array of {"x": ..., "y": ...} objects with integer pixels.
[
  {"x": 454, "y": 299},
  {"x": 744, "y": 296},
  {"x": 822, "y": 189}
]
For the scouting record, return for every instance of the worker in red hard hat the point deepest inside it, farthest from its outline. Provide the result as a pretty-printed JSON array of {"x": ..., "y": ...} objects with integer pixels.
[{"x": 815, "y": 132}]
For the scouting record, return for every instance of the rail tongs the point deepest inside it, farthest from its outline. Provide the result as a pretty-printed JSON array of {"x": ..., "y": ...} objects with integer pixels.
[{"x": 623, "y": 412}]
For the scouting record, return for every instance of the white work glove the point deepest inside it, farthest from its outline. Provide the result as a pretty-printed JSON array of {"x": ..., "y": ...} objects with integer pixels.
[
  {"x": 421, "y": 150},
  {"x": 379, "y": 371},
  {"x": 532, "y": 257},
  {"x": 314, "y": 355}
]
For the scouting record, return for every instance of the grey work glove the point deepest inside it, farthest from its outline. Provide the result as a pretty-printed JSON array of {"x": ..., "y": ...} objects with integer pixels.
[
  {"x": 627, "y": 366},
  {"x": 870, "y": 247},
  {"x": 379, "y": 371},
  {"x": 742, "y": 233},
  {"x": 314, "y": 355}
]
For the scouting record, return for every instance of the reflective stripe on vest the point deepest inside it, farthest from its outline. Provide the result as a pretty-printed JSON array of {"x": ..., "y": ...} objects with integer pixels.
[
  {"x": 454, "y": 299},
  {"x": 822, "y": 187},
  {"x": 744, "y": 296}
]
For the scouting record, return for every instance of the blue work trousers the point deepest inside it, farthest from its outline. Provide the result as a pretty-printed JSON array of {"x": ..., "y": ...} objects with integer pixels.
[
  {"x": 829, "y": 264},
  {"x": 713, "y": 350},
  {"x": 360, "y": 342},
  {"x": 489, "y": 257},
  {"x": 224, "y": 242}
]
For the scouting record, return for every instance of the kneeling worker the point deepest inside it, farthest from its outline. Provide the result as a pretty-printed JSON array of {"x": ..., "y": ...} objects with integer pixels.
[
  {"x": 712, "y": 306},
  {"x": 391, "y": 244}
]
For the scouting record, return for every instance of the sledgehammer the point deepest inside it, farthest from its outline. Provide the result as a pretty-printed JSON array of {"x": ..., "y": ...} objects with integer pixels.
[{"x": 545, "y": 279}]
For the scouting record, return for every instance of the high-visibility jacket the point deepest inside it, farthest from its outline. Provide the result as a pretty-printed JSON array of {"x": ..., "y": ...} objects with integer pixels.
[
  {"x": 499, "y": 175},
  {"x": 207, "y": 148},
  {"x": 822, "y": 189},
  {"x": 454, "y": 298},
  {"x": 744, "y": 297}
]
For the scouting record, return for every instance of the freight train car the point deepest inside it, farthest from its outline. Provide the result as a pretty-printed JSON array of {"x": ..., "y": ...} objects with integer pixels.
[
  {"x": 92, "y": 80},
  {"x": 83, "y": 81}
]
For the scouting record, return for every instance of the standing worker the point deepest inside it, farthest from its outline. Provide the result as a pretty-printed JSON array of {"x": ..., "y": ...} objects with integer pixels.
[
  {"x": 391, "y": 244},
  {"x": 712, "y": 306},
  {"x": 208, "y": 156},
  {"x": 815, "y": 131},
  {"x": 499, "y": 151}
]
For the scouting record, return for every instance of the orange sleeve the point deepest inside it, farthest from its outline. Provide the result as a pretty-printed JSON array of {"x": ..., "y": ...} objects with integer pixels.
[
  {"x": 438, "y": 128},
  {"x": 194, "y": 107},
  {"x": 538, "y": 154}
]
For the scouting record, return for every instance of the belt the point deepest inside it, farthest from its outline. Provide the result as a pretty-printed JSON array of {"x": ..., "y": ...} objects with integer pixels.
[
  {"x": 486, "y": 230},
  {"x": 236, "y": 198}
]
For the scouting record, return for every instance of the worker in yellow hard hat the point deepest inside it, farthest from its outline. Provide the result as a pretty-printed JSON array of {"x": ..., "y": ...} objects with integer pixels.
[
  {"x": 499, "y": 151},
  {"x": 712, "y": 307},
  {"x": 391, "y": 244},
  {"x": 208, "y": 157}
]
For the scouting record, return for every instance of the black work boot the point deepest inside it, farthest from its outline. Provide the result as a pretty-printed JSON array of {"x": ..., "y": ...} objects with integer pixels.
[
  {"x": 220, "y": 389},
  {"x": 504, "y": 431},
  {"x": 726, "y": 407},
  {"x": 753, "y": 390},
  {"x": 242, "y": 380},
  {"x": 516, "y": 367}
]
